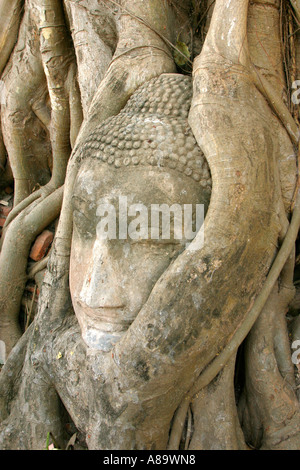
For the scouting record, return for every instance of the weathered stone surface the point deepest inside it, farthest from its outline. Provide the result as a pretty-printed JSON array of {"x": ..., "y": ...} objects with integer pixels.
[
  {"x": 146, "y": 153},
  {"x": 152, "y": 129}
]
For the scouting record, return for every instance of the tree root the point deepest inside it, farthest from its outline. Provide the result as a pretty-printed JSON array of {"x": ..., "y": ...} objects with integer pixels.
[
  {"x": 242, "y": 228},
  {"x": 25, "y": 82},
  {"x": 13, "y": 262},
  {"x": 66, "y": 119},
  {"x": 270, "y": 413},
  {"x": 10, "y": 17},
  {"x": 216, "y": 366},
  {"x": 40, "y": 193},
  {"x": 50, "y": 54},
  {"x": 296, "y": 6},
  {"x": 216, "y": 420},
  {"x": 59, "y": 65},
  {"x": 213, "y": 369},
  {"x": 39, "y": 266}
]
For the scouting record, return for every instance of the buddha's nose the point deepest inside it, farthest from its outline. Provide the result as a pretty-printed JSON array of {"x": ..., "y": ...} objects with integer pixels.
[{"x": 101, "y": 286}]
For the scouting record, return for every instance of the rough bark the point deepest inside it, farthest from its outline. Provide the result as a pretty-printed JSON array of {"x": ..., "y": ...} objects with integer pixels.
[{"x": 127, "y": 398}]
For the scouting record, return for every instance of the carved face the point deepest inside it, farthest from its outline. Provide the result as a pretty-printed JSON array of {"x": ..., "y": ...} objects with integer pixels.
[{"x": 111, "y": 279}]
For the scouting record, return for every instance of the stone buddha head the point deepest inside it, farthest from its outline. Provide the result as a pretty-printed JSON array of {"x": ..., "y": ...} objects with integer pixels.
[{"x": 138, "y": 201}]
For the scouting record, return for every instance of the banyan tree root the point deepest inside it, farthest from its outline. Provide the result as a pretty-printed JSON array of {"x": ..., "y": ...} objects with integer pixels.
[
  {"x": 295, "y": 338},
  {"x": 236, "y": 129},
  {"x": 282, "y": 267},
  {"x": 149, "y": 54},
  {"x": 239, "y": 135},
  {"x": 140, "y": 55},
  {"x": 11, "y": 11},
  {"x": 50, "y": 55},
  {"x": 296, "y": 6},
  {"x": 59, "y": 66},
  {"x": 13, "y": 262},
  {"x": 26, "y": 137},
  {"x": 270, "y": 410},
  {"x": 58, "y": 63},
  {"x": 216, "y": 422},
  {"x": 265, "y": 65}
]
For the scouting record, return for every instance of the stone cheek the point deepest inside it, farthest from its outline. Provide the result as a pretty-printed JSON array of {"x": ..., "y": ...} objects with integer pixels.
[{"x": 152, "y": 129}]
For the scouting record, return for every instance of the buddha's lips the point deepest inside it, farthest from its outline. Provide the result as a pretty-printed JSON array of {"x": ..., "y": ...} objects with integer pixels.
[{"x": 109, "y": 314}]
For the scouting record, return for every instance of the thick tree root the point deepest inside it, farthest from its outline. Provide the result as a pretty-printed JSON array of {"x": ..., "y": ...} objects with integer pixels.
[
  {"x": 209, "y": 374},
  {"x": 13, "y": 262},
  {"x": 215, "y": 414},
  {"x": 10, "y": 16},
  {"x": 270, "y": 411},
  {"x": 124, "y": 392}
]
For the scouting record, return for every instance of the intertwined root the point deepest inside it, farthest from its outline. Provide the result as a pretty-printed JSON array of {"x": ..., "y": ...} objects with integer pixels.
[
  {"x": 49, "y": 98},
  {"x": 241, "y": 125}
]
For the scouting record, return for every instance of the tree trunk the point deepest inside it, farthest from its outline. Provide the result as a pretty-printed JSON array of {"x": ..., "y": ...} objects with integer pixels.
[{"x": 198, "y": 89}]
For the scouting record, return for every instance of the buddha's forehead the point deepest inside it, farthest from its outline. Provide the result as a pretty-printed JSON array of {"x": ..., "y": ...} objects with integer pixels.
[{"x": 146, "y": 184}]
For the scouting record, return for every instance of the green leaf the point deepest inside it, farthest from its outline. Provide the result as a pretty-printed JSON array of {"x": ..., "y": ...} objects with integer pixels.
[
  {"x": 182, "y": 54},
  {"x": 48, "y": 440}
]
